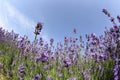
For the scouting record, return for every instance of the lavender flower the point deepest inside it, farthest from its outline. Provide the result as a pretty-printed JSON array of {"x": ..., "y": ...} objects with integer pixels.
[
  {"x": 37, "y": 77},
  {"x": 38, "y": 28},
  {"x": 46, "y": 67},
  {"x": 60, "y": 75},
  {"x": 118, "y": 17},
  {"x": 101, "y": 69},
  {"x": 86, "y": 74},
  {"x": 49, "y": 78},
  {"x": 116, "y": 69},
  {"x": 112, "y": 19},
  {"x": 43, "y": 57},
  {"x": 74, "y": 30},
  {"x": 72, "y": 79},
  {"x": 21, "y": 70},
  {"x": 41, "y": 42},
  {"x": 106, "y": 12},
  {"x": 71, "y": 48},
  {"x": 51, "y": 41},
  {"x": 67, "y": 62},
  {"x": 65, "y": 40}
]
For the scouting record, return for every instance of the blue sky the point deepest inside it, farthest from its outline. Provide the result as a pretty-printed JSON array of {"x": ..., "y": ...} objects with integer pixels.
[{"x": 59, "y": 17}]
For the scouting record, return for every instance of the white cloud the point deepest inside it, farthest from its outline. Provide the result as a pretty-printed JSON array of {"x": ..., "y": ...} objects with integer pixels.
[
  {"x": 13, "y": 16},
  {"x": 2, "y": 24},
  {"x": 20, "y": 18}
]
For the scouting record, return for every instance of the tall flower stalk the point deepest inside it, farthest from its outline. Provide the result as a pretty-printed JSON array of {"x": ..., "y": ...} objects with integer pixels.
[{"x": 37, "y": 31}]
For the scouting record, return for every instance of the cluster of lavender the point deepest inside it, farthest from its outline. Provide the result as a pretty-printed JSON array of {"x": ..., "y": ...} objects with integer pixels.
[
  {"x": 106, "y": 46},
  {"x": 113, "y": 43},
  {"x": 96, "y": 59}
]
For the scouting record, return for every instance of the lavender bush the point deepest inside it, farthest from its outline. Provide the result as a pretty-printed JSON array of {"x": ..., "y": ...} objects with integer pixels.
[{"x": 97, "y": 58}]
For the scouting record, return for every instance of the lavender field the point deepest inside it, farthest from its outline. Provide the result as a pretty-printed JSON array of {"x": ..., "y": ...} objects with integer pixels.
[{"x": 96, "y": 58}]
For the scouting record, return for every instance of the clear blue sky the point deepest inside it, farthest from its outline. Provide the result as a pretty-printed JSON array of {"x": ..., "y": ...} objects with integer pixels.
[{"x": 59, "y": 17}]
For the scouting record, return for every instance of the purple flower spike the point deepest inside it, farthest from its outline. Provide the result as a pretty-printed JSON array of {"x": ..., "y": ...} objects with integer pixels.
[
  {"x": 116, "y": 69},
  {"x": 41, "y": 42},
  {"x": 118, "y": 17},
  {"x": 65, "y": 40},
  {"x": 60, "y": 75},
  {"x": 74, "y": 30},
  {"x": 37, "y": 77},
  {"x": 51, "y": 41},
  {"x": 43, "y": 57},
  {"x": 49, "y": 78},
  {"x": 38, "y": 28},
  {"x": 93, "y": 35},
  {"x": 112, "y": 19},
  {"x": 93, "y": 54},
  {"x": 67, "y": 62},
  {"x": 106, "y": 12},
  {"x": 119, "y": 39},
  {"x": 86, "y": 74},
  {"x": 72, "y": 79},
  {"x": 44, "y": 54},
  {"x": 21, "y": 70}
]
